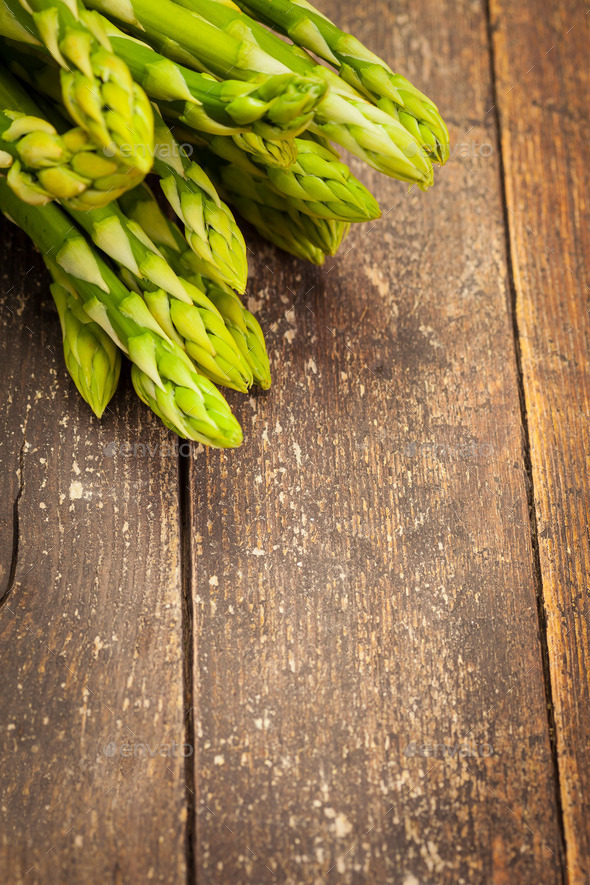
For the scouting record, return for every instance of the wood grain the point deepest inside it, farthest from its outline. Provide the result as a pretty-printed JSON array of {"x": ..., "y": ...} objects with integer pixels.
[
  {"x": 90, "y": 629},
  {"x": 543, "y": 95},
  {"x": 363, "y": 572}
]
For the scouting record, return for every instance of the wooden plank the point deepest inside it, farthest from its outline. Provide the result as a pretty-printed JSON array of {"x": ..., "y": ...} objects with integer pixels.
[
  {"x": 90, "y": 630},
  {"x": 543, "y": 94},
  {"x": 364, "y": 589}
]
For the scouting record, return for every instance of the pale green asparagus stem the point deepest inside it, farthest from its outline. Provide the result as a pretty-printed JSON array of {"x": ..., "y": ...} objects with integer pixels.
[
  {"x": 142, "y": 207},
  {"x": 163, "y": 375},
  {"x": 92, "y": 358}
]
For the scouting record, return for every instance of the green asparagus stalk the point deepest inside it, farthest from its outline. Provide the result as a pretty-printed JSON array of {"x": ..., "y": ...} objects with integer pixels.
[
  {"x": 163, "y": 375},
  {"x": 291, "y": 233},
  {"x": 243, "y": 325},
  {"x": 92, "y": 358},
  {"x": 210, "y": 228},
  {"x": 276, "y": 108},
  {"x": 97, "y": 87},
  {"x": 222, "y": 41},
  {"x": 358, "y": 66},
  {"x": 44, "y": 165},
  {"x": 279, "y": 220},
  {"x": 141, "y": 206},
  {"x": 277, "y": 217},
  {"x": 186, "y": 315},
  {"x": 316, "y": 183}
]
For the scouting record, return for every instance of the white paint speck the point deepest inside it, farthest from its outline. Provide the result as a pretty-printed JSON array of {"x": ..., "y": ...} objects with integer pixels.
[
  {"x": 76, "y": 490},
  {"x": 342, "y": 826}
]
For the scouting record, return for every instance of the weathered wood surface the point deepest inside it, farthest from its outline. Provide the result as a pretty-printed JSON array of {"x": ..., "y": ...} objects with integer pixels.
[
  {"x": 91, "y": 649},
  {"x": 543, "y": 99},
  {"x": 364, "y": 572},
  {"x": 363, "y": 569}
]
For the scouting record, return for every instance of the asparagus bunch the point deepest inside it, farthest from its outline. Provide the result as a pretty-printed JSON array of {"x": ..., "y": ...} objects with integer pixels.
[
  {"x": 162, "y": 374},
  {"x": 257, "y": 114}
]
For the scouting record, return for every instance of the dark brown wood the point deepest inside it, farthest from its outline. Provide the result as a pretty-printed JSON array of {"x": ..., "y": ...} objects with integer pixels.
[
  {"x": 91, "y": 650},
  {"x": 543, "y": 98},
  {"x": 363, "y": 569}
]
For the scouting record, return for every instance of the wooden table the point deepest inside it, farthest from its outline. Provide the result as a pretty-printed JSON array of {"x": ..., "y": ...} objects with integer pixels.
[{"x": 371, "y": 622}]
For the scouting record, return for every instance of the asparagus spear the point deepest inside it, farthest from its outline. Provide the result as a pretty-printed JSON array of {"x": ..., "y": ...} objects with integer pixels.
[
  {"x": 289, "y": 233},
  {"x": 316, "y": 183},
  {"x": 97, "y": 88},
  {"x": 163, "y": 375},
  {"x": 92, "y": 358},
  {"x": 44, "y": 165},
  {"x": 243, "y": 326},
  {"x": 210, "y": 228},
  {"x": 186, "y": 315},
  {"x": 141, "y": 205},
  {"x": 358, "y": 66},
  {"x": 222, "y": 40},
  {"x": 279, "y": 220}
]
